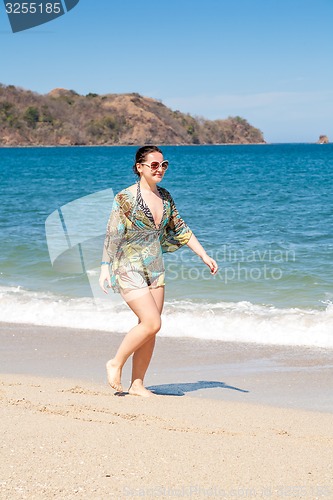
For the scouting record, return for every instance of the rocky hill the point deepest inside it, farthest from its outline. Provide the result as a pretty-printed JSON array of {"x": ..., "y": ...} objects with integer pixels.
[{"x": 63, "y": 117}]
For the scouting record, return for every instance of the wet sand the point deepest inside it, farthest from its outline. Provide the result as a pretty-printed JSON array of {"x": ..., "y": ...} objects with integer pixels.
[{"x": 291, "y": 377}]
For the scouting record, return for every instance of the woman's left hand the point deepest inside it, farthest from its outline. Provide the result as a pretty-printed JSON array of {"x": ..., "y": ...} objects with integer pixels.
[{"x": 211, "y": 263}]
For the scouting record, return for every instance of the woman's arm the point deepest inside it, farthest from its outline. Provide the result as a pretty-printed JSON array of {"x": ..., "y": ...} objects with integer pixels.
[
  {"x": 113, "y": 238},
  {"x": 197, "y": 248},
  {"x": 178, "y": 233}
]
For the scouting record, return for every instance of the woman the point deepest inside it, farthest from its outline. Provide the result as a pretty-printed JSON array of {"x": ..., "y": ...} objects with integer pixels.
[{"x": 144, "y": 223}]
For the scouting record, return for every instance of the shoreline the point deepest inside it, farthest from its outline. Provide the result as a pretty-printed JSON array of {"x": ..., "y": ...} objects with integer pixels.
[
  {"x": 5, "y": 146},
  {"x": 133, "y": 145},
  {"x": 280, "y": 376}
]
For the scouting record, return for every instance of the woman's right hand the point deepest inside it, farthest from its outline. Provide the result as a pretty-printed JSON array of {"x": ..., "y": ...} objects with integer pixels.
[{"x": 105, "y": 277}]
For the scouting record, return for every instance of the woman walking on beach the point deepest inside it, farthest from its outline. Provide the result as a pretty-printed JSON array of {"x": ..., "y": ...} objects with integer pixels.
[{"x": 144, "y": 223}]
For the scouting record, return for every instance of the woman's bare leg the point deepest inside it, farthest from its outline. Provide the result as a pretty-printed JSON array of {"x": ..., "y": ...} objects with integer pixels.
[
  {"x": 144, "y": 306},
  {"x": 142, "y": 356}
]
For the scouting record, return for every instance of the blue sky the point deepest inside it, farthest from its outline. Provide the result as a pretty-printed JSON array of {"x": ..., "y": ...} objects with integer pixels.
[{"x": 269, "y": 61}]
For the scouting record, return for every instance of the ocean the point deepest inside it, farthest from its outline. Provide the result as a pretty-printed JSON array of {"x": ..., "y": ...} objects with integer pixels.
[{"x": 264, "y": 212}]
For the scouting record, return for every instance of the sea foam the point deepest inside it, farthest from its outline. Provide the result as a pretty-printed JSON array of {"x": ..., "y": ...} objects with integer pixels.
[{"x": 224, "y": 321}]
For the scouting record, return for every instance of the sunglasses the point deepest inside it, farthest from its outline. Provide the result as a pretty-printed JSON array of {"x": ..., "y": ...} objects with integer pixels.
[{"x": 155, "y": 165}]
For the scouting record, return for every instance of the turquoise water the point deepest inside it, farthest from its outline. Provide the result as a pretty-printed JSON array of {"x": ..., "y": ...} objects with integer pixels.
[{"x": 263, "y": 212}]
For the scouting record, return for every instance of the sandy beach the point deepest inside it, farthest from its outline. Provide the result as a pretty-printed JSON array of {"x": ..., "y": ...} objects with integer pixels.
[
  {"x": 66, "y": 435},
  {"x": 67, "y": 439}
]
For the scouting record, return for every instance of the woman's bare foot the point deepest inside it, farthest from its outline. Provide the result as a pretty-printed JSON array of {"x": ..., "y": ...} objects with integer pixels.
[
  {"x": 138, "y": 389},
  {"x": 114, "y": 375}
]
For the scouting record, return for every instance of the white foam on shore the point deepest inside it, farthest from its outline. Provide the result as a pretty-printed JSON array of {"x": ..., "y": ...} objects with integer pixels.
[{"x": 225, "y": 321}]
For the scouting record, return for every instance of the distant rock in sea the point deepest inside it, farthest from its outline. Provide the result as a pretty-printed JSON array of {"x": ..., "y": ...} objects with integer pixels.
[{"x": 323, "y": 139}]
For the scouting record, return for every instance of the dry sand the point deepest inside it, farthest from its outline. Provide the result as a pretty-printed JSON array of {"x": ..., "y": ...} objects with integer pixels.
[{"x": 65, "y": 438}]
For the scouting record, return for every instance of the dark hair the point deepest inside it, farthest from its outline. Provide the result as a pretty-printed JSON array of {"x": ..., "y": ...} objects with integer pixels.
[{"x": 141, "y": 154}]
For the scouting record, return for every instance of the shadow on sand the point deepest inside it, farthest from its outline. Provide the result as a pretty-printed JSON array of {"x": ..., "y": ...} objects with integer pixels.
[{"x": 181, "y": 389}]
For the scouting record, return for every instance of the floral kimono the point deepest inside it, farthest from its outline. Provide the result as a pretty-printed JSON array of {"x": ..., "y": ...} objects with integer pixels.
[{"x": 134, "y": 244}]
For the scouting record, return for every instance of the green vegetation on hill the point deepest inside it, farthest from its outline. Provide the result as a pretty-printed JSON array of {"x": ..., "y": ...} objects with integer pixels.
[{"x": 63, "y": 117}]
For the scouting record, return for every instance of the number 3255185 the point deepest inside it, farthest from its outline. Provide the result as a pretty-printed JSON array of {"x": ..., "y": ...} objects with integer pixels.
[{"x": 33, "y": 8}]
